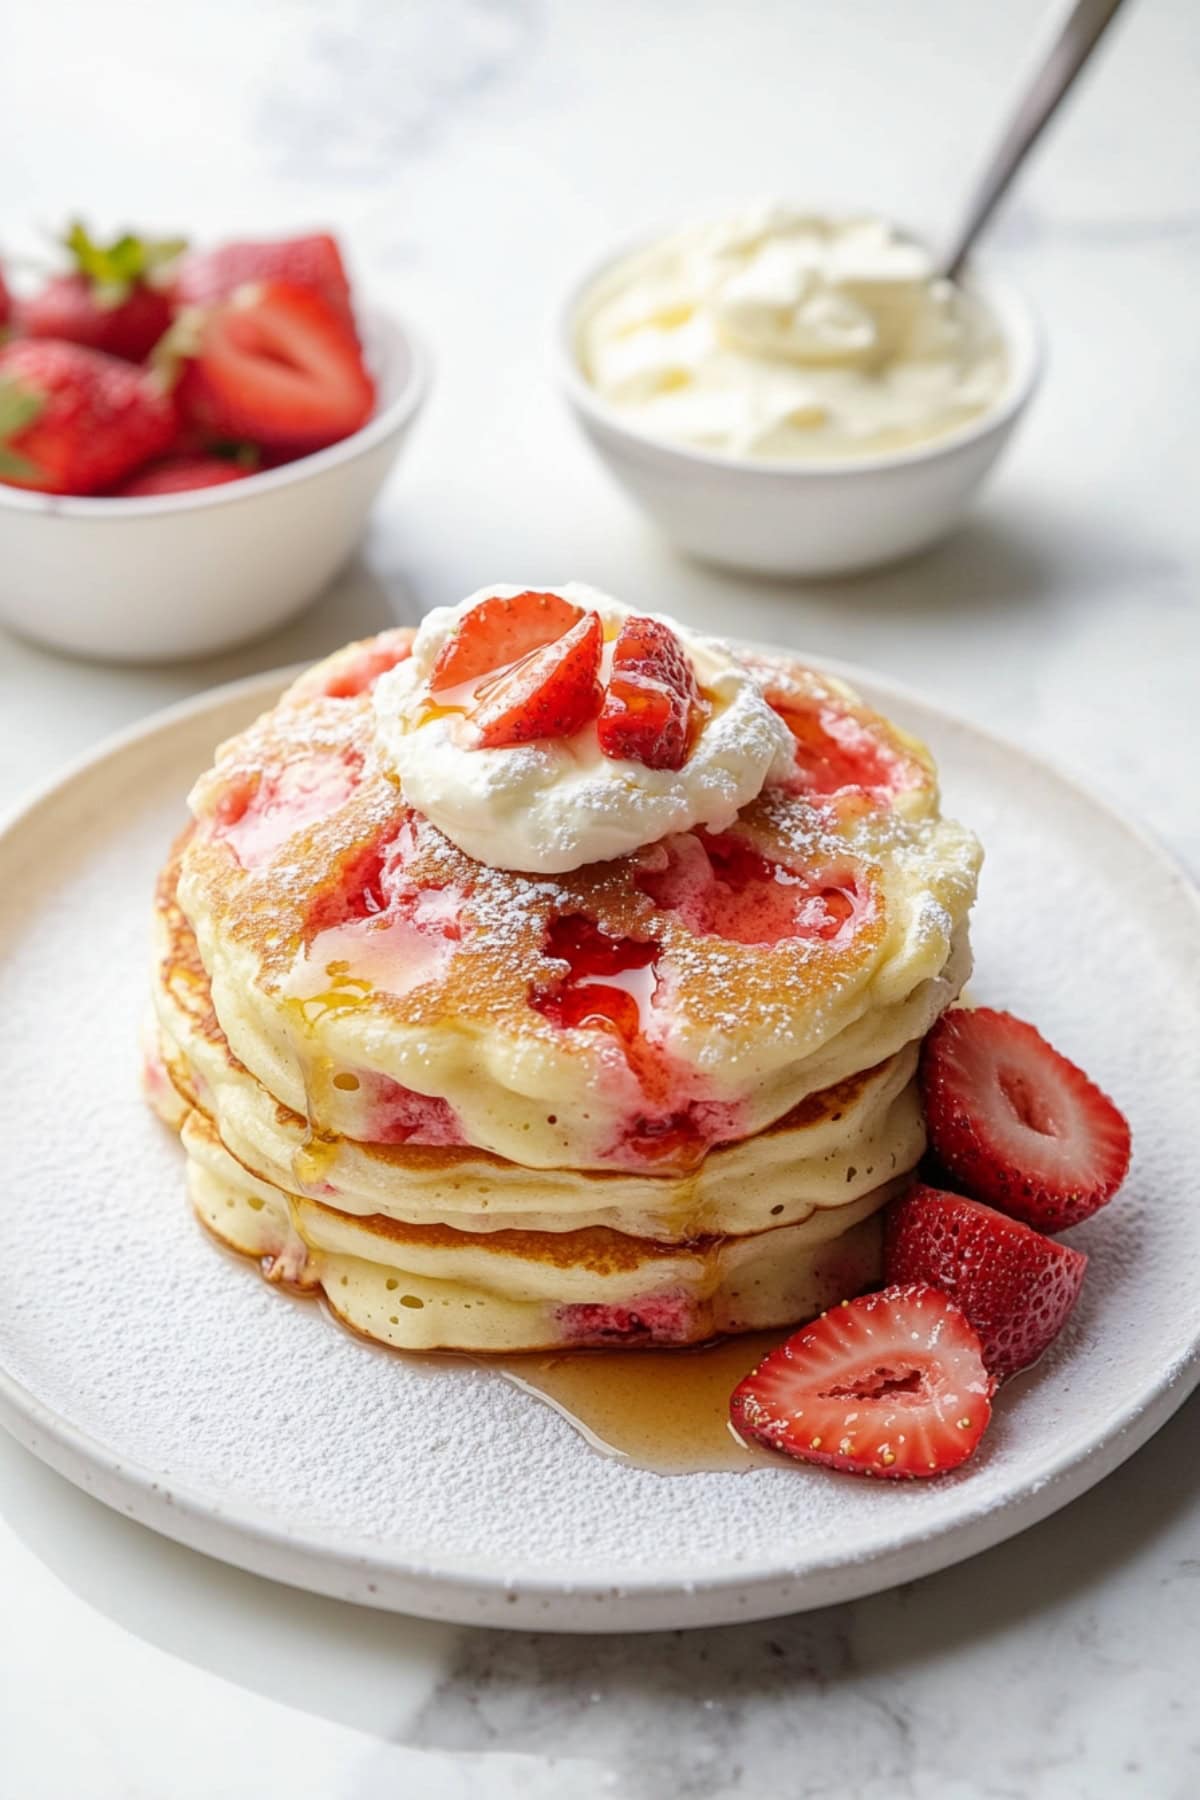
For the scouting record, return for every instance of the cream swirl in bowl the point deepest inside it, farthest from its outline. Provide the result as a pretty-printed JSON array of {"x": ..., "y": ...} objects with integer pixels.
[
  {"x": 554, "y": 804},
  {"x": 785, "y": 336}
]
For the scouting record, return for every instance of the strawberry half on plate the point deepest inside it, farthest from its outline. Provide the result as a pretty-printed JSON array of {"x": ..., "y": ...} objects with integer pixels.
[
  {"x": 1017, "y": 1125},
  {"x": 892, "y": 1384},
  {"x": 1016, "y": 1287}
]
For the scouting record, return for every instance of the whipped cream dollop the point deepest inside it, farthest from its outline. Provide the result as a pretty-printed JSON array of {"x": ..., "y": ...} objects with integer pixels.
[
  {"x": 555, "y": 804},
  {"x": 784, "y": 335}
]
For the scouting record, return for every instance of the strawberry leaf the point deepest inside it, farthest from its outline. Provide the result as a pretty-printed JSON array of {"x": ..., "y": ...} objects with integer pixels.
[
  {"x": 114, "y": 269},
  {"x": 19, "y": 407}
]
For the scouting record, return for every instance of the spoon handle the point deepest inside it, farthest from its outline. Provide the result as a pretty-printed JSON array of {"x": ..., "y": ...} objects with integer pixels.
[{"x": 1081, "y": 31}]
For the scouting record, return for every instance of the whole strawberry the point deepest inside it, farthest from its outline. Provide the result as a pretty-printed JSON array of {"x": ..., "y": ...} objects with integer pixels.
[
  {"x": 182, "y": 475},
  {"x": 1015, "y": 1286},
  {"x": 310, "y": 262},
  {"x": 114, "y": 299},
  {"x": 74, "y": 421}
]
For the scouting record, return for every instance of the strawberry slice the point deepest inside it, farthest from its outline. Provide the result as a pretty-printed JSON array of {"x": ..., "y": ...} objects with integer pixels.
[
  {"x": 1016, "y": 1287},
  {"x": 310, "y": 262},
  {"x": 891, "y": 1384},
  {"x": 652, "y": 708},
  {"x": 180, "y": 474},
  {"x": 499, "y": 632},
  {"x": 276, "y": 364},
  {"x": 1018, "y": 1125},
  {"x": 550, "y": 693},
  {"x": 74, "y": 421}
]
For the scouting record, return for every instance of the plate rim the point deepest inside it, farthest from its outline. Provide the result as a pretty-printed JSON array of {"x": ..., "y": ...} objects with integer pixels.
[{"x": 475, "y": 1590}]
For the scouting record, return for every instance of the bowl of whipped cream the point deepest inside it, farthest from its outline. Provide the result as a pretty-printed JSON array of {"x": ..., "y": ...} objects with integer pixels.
[{"x": 796, "y": 393}]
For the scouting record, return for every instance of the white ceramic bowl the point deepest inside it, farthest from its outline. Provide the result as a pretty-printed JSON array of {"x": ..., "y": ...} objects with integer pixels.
[
  {"x": 182, "y": 575},
  {"x": 800, "y": 518}
]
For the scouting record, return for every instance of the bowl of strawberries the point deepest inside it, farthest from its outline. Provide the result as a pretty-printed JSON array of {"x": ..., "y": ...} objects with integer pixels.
[{"x": 190, "y": 440}]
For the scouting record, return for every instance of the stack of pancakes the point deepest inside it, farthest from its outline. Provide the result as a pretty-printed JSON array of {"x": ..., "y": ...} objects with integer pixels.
[{"x": 651, "y": 1101}]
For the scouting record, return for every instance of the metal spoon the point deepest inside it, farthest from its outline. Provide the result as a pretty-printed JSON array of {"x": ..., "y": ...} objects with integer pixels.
[{"x": 1081, "y": 31}]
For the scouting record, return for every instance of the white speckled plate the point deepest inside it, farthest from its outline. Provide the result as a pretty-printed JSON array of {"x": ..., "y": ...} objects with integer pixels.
[{"x": 170, "y": 1382}]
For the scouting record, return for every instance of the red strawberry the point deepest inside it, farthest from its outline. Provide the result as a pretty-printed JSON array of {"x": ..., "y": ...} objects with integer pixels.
[
  {"x": 309, "y": 262},
  {"x": 180, "y": 474},
  {"x": 73, "y": 421},
  {"x": 1016, "y": 1123},
  {"x": 652, "y": 704},
  {"x": 1016, "y": 1287},
  {"x": 891, "y": 1384},
  {"x": 498, "y": 632},
  {"x": 113, "y": 300},
  {"x": 551, "y": 693},
  {"x": 277, "y": 365}
]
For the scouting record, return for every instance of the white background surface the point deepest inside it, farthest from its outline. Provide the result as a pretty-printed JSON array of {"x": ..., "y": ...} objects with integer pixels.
[{"x": 473, "y": 155}]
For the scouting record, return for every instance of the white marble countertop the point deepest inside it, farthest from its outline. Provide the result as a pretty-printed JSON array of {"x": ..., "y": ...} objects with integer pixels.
[{"x": 473, "y": 154}]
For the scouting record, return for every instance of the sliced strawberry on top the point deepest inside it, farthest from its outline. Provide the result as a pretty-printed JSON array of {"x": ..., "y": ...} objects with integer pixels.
[
  {"x": 652, "y": 707},
  {"x": 180, "y": 474},
  {"x": 550, "y": 693},
  {"x": 276, "y": 364},
  {"x": 1017, "y": 1124},
  {"x": 498, "y": 632},
  {"x": 1016, "y": 1287},
  {"x": 313, "y": 262},
  {"x": 114, "y": 299},
  {"x": 891, "y": 1384},
  {"x": 74, "y": 421}
]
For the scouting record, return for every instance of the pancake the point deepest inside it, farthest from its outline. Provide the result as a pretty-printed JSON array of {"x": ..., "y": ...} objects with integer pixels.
[
  {"x": 433, "y": 1288},
  {"x": 378, "y": 982},
  {"x": 830, "y": 1151}
]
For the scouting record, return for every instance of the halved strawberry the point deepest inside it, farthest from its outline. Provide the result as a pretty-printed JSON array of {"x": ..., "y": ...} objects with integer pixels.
[
  {"x": 275, "y": 364},
  {"x": 551, "y": 693},
  {"x": 74, "y": 421},
  {"x": 1016, "y": 1123},
  {"x": 652, "y": 705},
  {"x": 114, "y": 299},
  {"x": 180, "y": 474},
  {"x": 498, "y": 632},
  {"x": 891, "y": 1384},
  {"x": 313, "y": 262},
  {"x": 1016, "y": 1287}
]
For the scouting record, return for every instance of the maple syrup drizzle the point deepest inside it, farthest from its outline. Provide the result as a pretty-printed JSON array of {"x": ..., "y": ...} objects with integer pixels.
[{"x": 663, "y": 1410}]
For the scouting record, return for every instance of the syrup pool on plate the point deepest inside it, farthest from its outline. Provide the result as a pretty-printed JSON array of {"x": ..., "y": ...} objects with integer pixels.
[{"x": 664, "y": 1410}]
